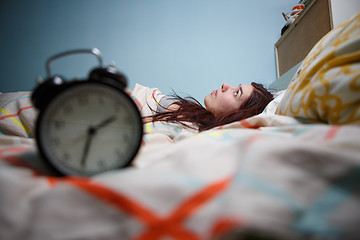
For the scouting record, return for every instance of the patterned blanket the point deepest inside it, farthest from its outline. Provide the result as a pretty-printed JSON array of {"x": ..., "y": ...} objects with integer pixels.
[{"x": 270, "y": 176}]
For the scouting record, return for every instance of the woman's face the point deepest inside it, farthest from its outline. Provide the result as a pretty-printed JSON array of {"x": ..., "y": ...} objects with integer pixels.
[{"x": 227, "y": 98}]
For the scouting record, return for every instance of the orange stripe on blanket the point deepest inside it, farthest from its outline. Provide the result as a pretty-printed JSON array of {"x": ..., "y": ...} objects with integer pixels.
[
  {"x": 16, "y": 114},
  {"x": 197, "y": 200},
  {"x": 248, "y": 125},
  {"x": 12, "y": 117},
  {"x": 172, "y": 225},
  {"x": 114, "y": 198},
  {"x": 332, "y": 132},
  {"x": 138, "y": 103},
  {"x": 157, "y": 227},
  {"x": 8, "y": 155},
  {"x": 153, "y": 96},
  {"x": 220, "y": 127},
  {"x": 222, "y": 226}
]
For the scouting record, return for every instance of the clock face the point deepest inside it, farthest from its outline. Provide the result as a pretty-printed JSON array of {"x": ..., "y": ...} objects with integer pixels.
[{"x": 89, "y": 128}]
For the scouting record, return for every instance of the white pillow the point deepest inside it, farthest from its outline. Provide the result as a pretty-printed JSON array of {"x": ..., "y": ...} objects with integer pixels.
[{"x": 271, "y": 107}]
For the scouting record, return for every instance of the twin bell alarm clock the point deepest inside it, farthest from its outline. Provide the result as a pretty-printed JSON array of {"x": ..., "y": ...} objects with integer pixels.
[{"x": 87, "y": 126}]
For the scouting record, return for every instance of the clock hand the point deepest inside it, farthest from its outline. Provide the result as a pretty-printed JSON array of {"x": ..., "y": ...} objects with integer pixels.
[
  {"x": 104, "y": 123},
  {"x": 91, "y": 133}
]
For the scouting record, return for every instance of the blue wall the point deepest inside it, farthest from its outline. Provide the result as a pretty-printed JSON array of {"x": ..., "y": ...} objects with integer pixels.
[{"x": 191, "y": 46}]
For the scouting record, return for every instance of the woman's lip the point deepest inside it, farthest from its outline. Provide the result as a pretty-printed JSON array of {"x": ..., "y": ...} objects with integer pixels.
[{"x": 214, "y": 92}]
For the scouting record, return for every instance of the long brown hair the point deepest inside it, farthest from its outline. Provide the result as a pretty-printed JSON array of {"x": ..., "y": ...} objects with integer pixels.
[{"x": 191, "y": 111}]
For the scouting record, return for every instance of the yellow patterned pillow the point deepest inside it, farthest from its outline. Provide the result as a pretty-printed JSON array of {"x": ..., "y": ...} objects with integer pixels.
[{"x": 326, "y": 87}]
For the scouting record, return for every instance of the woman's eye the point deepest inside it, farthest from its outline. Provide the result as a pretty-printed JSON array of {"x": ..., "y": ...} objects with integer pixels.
[{"x": 236, "y": 93}]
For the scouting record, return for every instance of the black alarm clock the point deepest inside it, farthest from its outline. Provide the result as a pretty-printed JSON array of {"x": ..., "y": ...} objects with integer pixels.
[{"x": 87, "y": 126}]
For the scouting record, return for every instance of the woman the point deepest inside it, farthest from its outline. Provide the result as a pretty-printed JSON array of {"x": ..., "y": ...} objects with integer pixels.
[{"x": 222, "y": 106}]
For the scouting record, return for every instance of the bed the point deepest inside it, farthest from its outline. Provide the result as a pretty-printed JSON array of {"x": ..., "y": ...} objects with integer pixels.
[{"x": 291, "y": 172}]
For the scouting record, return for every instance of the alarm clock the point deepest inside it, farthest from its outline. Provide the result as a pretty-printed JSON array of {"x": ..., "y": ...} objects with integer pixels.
[{"x": 86, "y": 126}]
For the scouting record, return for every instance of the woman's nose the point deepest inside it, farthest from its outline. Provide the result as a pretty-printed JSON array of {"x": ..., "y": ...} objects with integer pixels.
[{"x": 225, "y": 87}]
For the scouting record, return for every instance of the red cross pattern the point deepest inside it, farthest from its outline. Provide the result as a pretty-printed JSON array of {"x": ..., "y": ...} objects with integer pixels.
[{"x": 156, "y": 226}]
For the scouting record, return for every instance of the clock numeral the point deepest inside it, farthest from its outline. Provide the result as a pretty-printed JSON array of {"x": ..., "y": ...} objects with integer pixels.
[
  {"x": 126, "y": 138},
  {"x": 55, "y": 141},
  {"x": 101, "y": 163},
  {"x": 119, "y": 154},
  {"x": 59, "y": 124},
  {"x": 68, "y": 109},
  {"x": 66, "y": 157},
  {"x": 101, "y": 100},
  {"x": 83, "y": 99}
]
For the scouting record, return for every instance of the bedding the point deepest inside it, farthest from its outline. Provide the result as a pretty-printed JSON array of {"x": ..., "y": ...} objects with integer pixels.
[
  {"x": 271, "y": 176},
  {"x": 326, "y": 87}
]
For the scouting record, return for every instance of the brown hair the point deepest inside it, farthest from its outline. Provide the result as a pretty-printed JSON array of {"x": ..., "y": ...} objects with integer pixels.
[{"x": 192, "y": 111}]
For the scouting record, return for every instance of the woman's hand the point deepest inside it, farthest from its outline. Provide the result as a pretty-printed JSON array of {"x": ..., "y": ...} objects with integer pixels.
[{"x": 173, "y": 107}]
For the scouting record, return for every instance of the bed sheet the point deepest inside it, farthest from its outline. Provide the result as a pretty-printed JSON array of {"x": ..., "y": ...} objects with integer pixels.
[{"x": 270, "y": 175}]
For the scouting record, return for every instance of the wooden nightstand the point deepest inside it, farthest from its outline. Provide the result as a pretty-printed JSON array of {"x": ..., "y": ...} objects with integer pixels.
[{"x": 296, "y": 42}]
